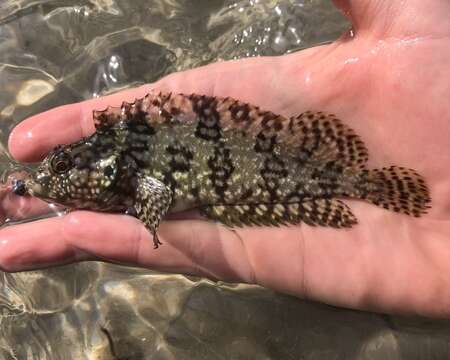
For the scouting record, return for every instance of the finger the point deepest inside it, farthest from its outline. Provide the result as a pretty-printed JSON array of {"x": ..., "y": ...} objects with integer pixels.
[
  {"x": 15, "y": 208},
  {"x": 194, "y": 247},
  {"x": 343, "y": 269},
  {"x": 31, "y": 140},
  {"x": 383, "y": 18},
  {"x": 383, "y": 264},
  {"x": 34, "y": 245}
]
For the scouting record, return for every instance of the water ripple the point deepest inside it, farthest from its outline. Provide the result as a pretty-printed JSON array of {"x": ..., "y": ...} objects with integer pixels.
[{"x": 59, "y": 51}]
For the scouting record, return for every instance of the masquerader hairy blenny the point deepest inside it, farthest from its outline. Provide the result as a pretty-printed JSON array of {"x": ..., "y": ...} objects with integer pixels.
[{"x": 234, "y": 162}]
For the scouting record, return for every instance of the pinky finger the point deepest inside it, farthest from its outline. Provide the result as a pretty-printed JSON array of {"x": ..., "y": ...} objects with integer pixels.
[{"x": 194, "y": 247}]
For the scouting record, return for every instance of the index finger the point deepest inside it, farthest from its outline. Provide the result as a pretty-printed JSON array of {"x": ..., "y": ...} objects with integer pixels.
[{"x": 33, "y": 138}]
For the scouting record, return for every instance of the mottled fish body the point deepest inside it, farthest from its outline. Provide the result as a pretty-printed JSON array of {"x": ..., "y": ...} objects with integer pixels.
[{"x": 236, "y": 163}]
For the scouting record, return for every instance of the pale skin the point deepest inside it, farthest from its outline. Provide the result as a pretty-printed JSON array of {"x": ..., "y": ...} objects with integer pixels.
[{"x": 390, "y": 82}]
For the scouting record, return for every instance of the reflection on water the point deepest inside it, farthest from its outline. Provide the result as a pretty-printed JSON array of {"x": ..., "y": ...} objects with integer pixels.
[{"x": 59, "y": 51}]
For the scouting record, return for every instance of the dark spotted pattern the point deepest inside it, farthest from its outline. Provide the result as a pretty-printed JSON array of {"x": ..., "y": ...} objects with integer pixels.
[
  {"x": 237, "y": 163},
  {"x": 221, "y": 166},
  {"x": 344, "y": 148},
  {"x": 240, "y": 112},
  {"x": 273, "y": 172},
  {"x": 208, "y": 125},
  {"x": 398, "y": 189},
  {"x": 265, "y": 143},
  {"x": 180, "y": 159},
  {"x": 220, "y": 163}
]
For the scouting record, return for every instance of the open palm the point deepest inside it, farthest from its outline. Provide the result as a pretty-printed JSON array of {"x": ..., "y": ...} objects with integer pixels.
[{"x": 389, "y": 82}]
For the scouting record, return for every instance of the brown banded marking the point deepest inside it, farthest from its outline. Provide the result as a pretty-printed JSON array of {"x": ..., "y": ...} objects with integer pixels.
[
  {"x": 318, "y": 137},
  {"x": 250, "y": 214},
  {"x": 273, "y": 171},
  {"x": 240, "y": 112},
  {"x": 208, "y": 124},
  {"x": 324, "y": 140},
  {"x": 330, "y": 185},
  {"x": 106, "y": 118},
  {"x": 264, "y": 143},
  {"x": 138, "y": 143},
  {"x": 180, "y": 162},
  {"x": 312, "y": 211},
  {"x": 222, "y": 168},
  {"x": 396, "y": 188},
  {"x": 165, "y": 110},
  {"x": 326, "y": 212},
  {"x": 325, "y": 160},
  {"x": 181, "y": 157},
  {"x": 226, "y": 113}
]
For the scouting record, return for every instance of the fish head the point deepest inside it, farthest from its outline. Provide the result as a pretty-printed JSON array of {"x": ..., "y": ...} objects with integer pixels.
[{"x": 79, "y": 175}]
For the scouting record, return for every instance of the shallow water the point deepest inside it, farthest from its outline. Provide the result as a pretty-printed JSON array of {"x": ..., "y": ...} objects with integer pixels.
[{"x": 54, "y": 52}]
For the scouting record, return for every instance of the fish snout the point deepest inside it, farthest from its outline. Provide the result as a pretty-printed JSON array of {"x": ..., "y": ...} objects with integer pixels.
[
  {"x": 19, "y": 187},
  {"x": 33, "y": 187},
  {"x": 27, "y": 186}
]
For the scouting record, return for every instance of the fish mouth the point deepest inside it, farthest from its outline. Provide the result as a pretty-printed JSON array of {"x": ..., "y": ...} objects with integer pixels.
[
  {"x": 35, "y": 190},
  {"x": 30, "y": 187},
  {"x": 19, "y": 187},
  {"x": 26, "y": 187}
]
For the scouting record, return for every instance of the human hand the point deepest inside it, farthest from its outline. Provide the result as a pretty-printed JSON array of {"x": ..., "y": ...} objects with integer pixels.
[{"x": 389, "y": 83}]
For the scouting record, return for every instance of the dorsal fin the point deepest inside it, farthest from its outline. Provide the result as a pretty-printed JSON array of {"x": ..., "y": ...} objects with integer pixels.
[
  {"x": 315, "y": 136},
  {"x": 137, "y": 111},
  {"x": 152, "y": 109},
  {"x": 105, "y": 118},
  {"x": 324, "y": 139}
]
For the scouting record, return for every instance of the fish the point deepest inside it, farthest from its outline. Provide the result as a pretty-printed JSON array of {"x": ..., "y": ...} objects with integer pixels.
[{"x": 235, "y": 163}]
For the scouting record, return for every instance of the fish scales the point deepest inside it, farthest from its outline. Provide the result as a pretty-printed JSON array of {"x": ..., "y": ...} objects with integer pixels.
[{"x": 236, "y": 163}]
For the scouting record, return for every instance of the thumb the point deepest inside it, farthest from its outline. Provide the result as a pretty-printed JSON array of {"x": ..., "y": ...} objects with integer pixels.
[{"x": 397, "y": 18}]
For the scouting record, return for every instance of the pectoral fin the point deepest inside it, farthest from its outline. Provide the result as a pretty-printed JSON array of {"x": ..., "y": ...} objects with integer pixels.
[{"x": 153, "y": 199}]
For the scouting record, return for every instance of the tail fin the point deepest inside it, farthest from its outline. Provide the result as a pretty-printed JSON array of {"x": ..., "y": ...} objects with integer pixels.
[{"x": 399, "y": 189}]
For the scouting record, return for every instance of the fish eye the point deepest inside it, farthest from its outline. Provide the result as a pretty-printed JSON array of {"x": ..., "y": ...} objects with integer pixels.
[{"x": 61, "y": 163}]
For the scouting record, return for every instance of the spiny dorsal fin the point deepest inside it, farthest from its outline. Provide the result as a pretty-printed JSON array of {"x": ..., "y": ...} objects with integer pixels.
[
  {"x": 106, "y": 118},
  {"x": 315, "y": 137},
  {"x": 323, "y": 138},
  {"x": 152, "y": 109}
]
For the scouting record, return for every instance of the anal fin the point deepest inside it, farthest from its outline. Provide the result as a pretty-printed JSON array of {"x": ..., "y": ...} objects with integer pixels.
[
  {"x": 327, "y": 212},
  {"x": 249, "y": 214},
  {"x": 323, "y": 212}
]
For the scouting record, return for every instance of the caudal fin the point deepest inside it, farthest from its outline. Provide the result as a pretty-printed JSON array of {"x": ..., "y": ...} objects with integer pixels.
[{"x": 399, "y": 189}]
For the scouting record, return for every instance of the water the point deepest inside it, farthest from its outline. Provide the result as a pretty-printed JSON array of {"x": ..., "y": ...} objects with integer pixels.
[{"x": 54, "y": 52}]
